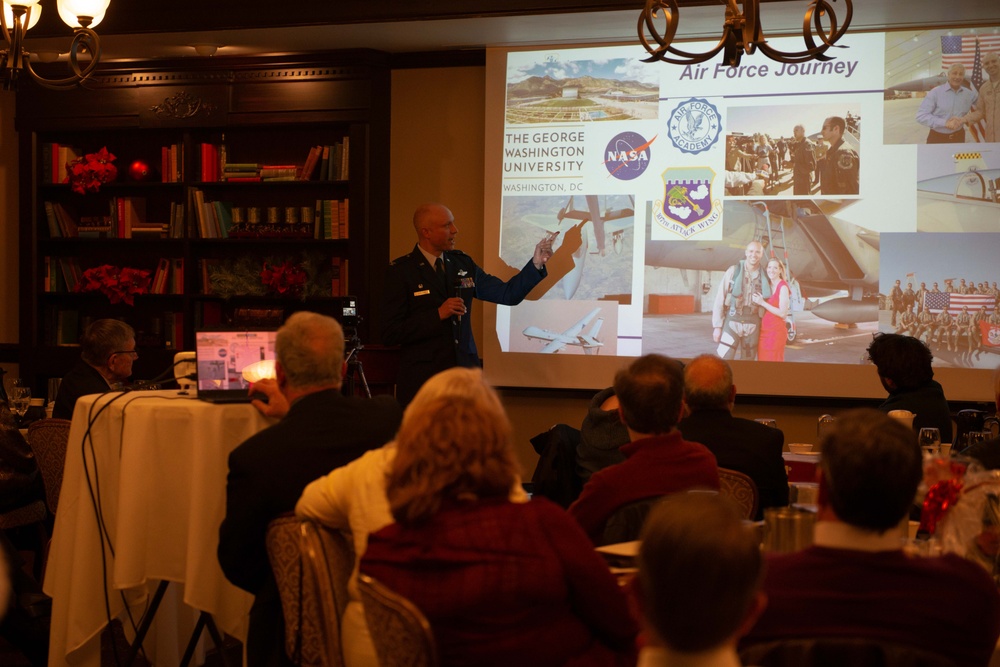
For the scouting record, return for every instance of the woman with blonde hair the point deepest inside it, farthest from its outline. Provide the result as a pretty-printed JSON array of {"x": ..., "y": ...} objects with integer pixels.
[
  {"x": 500, "y": 582},
  {"x": 773, "y": 334}
]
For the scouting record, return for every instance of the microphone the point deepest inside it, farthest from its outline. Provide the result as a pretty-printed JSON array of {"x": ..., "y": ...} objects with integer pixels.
[{"x": 458, "y": 292}]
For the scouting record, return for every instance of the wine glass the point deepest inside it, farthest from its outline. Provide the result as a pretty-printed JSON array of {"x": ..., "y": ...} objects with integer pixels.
[
  {"x": 20, "y": 400},
  {"x": 930, "y": 440}
]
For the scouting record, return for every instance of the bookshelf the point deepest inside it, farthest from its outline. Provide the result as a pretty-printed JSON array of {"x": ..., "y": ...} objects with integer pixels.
[{"x": 247, "y": 188}]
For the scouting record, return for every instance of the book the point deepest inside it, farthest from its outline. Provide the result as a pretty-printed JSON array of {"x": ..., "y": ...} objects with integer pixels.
[
  {"x": 50, "y": 218},
  {"x": 312, "y": 159},
  {"x": 159, "y": 282},
  {"x": 177, "y": 276},
  {"x": 324, "y": 164}
]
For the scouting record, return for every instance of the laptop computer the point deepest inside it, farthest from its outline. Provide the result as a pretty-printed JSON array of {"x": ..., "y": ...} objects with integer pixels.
[{"x": 221, "y": 356}]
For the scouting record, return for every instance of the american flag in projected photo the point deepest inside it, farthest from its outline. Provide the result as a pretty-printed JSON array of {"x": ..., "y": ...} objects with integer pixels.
[
  {"x": 953, "y": 302},
  {"x": 962, "y": 49}
]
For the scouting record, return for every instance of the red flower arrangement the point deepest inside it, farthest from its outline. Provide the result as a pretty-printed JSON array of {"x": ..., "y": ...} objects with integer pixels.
[
  {"x": 118, "y": 284},
  {"x": 86, "y": 174},
  {"x": 286, "y": 278}
]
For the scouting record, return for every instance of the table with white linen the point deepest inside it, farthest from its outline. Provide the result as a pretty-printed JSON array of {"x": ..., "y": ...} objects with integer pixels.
[{"x": 157, "y": 464}]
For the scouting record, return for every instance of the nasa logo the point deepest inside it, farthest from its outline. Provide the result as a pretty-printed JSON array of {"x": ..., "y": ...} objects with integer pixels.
[
  {"x": 694, "y": 125},
  {"x": 627, "y": 155}
]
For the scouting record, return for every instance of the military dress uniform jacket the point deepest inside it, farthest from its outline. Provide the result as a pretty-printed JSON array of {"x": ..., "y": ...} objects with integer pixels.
[
  {"x": 413, "y": 294},
  {"x": 840, "y": 171}
]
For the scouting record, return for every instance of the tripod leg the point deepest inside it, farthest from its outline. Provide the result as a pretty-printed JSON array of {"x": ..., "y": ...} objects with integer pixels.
[{"x": 364, "y": 380}]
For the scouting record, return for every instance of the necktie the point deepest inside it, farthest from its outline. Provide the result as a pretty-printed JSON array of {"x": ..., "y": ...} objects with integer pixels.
[{"x": 439, "y": 267}]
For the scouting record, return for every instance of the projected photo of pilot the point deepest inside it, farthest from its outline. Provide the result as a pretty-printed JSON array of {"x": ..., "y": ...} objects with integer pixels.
[
  {"x": 705, "y": 296},
  {"x": 793, "y": 150},
  {"x": 549, "y": 88},
  {"x": 941, "y": 87},
  {"x": 593, "y": 242},
  {"x": 566, "y": 327},
  {"x": 958, "y": 188},
  {"x": 942, "y": 289}
]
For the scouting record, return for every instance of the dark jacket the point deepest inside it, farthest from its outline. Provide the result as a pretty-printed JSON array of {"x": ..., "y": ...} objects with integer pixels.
[
  {"x": 413, "y": 294},
  {"x": 82, "y": 380},
  {"x": 745, "y": 446},
  {"x": 267, "y": 473},
  {"x": 929, "y": 405}
]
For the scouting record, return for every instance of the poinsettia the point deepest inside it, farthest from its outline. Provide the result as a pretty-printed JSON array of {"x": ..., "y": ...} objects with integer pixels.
[
  {"x": 86, "y": 174},
  {"x": 118, "y": 284},
  {"x": 286, "y": 278}
]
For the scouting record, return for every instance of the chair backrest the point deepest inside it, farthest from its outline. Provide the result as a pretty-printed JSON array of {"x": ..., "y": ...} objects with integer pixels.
[
  {"x": 625, "y": 523},
  {"x": 311, "y": 565},
  {"x": 828, "y": 651},
  {"x": 742, "y": 489},
  {"x": 400, "y": 632},
  {"x": 48, "y": 439}
]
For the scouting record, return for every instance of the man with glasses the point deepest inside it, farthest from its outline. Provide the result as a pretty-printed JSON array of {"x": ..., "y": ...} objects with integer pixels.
[
  {"x": 107, "y": 350},
  {"x": 842, "y": 165}
]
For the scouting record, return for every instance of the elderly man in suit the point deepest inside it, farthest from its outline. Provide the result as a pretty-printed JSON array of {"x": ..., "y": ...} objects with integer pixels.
[
  {"x": 738, "y": 444},
  {"x": 320, "y": 429}
]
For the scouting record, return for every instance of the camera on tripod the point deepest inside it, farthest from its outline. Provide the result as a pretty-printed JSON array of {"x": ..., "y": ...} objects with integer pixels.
[{"x": 349, "y": 321}]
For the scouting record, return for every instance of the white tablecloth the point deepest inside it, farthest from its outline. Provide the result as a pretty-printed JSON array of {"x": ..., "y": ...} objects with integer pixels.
[{"x": 157, "y": 462}]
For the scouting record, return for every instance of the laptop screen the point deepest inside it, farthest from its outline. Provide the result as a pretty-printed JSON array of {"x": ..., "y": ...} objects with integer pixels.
[{"x": 222, "y": 355}]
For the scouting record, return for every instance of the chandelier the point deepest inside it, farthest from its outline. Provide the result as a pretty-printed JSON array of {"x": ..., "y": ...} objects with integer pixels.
[
  {"x": 19, "y": 16},
  {"x": 741, "y": 33}
]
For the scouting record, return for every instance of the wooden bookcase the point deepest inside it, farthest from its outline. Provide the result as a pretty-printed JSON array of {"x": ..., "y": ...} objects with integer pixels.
[{"x": 267, "y": 111}]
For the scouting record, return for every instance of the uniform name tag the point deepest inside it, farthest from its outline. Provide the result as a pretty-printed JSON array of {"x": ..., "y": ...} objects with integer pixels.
[{"x": 422, "y": 293}]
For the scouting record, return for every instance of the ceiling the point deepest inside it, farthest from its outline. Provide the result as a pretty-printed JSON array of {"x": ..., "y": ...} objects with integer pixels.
[{"x": 140, "y": 29}]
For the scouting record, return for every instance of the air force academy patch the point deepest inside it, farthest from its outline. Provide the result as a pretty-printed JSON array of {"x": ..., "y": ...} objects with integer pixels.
[{"x": 694, "y": 125}]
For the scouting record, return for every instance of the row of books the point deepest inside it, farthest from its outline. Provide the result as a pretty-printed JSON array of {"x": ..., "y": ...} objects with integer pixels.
[
  {"x": 339, "y": 285},
  {"x": 62, "y": 326},
  {"x": 213, "y": 219},
  {"x": 126, "y": 219},
  {"x": 168, "y": 277},
  {"x": 55, "y": 157},
  {"x": 331, "y": 219},
  {"x": 172, "y": 163},
  {"x": 327, "y": 162},
  {"x": 61, "y": 274}
]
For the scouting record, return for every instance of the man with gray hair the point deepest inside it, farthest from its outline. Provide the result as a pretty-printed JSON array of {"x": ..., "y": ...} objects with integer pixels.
[
  {"x": 945, "y": 106},
  {"x": 319, "y": 429},
  {"x": 738, "y": 444},
  {"x": 107, "y": 350},
  {"x": 988, "y": 105}
]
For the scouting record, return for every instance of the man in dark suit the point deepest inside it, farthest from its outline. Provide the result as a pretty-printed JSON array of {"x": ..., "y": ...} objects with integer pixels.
[
  {"x": 738, "y": 444},
  {"x": 428, "y": 299},
  {"x": 320, "y": 429},
  {"x": 107, "y": 350}
]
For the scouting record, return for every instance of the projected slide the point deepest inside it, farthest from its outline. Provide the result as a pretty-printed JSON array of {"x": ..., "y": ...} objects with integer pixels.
[{"x": 687, "y": 203}]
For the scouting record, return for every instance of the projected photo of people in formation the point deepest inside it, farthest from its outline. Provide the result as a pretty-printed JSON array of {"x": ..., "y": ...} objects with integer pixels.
[{"x": 767, "y": 212}]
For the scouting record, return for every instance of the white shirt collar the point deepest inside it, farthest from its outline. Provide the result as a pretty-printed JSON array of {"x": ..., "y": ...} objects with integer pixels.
[
  {"x": 839, "y": 535},
  {"x": 431, "y": 259}
]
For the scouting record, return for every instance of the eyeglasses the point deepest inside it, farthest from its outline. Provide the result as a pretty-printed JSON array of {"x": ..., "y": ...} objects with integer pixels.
[{"x": 135, "y": 355}]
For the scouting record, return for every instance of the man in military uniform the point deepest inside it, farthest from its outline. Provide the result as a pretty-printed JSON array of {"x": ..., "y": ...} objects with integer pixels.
[
  {"x": 909, "y": 296},
  {"x": 895, "y": 301},
  {"x": 934, "y": 288},
  {"x": 924, "y": 327},
  {"x": 428, "y": 297},
  {"x": 942, "y": 328},
  {"x": 803, "y": 162},
  {"x": 907, "y": 322},
  {"x": 842, "y": 165},
  {"x": 949, "y": 285},
  {"x": 962, "y": 287},
  {"x": 961, "y": 328},
  {"x": 735, "y": 318},
  {"x": 921, "y": 293}
]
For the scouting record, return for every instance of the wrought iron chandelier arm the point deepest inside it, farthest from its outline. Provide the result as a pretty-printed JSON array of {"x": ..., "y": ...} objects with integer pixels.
[
  {"x": 84, "y": 39},
  {"x": 647, "y": 25}
]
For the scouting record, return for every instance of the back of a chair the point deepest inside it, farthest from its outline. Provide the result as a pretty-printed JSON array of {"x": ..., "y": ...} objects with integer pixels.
[
  {"x": 834, "y": 652},
  {"x": 625, "y": 523},
  {"x": 48, "y": 439},
  {"x": 400, "y": 632},
  {"x": 742, "y": 489},
  {"x": 329, "y": 561}
]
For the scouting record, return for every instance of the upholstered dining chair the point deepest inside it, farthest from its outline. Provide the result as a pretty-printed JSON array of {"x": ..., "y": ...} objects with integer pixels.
[
  {"x": 311, "y": 566},
  {"x": 836, "y": 651},
  {"x": 400, "y": 632},
  {"x": 48, "y": 439},
  {"x": 742, "y": 489}
]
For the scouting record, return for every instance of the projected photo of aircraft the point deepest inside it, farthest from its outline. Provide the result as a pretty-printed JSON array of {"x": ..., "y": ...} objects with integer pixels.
[
  {"x": 825, "y": 256},
  {"x": 967, "y": 200},
  {"x": 596, "y": 225},
  {"x": 572, "y": 336}
]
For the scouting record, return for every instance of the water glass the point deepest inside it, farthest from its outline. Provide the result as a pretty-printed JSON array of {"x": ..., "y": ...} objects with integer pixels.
[
  {"x": 20, "y": 399},
  {"x": 767, "y": 422},
  {"x": 930, "y": 440}
]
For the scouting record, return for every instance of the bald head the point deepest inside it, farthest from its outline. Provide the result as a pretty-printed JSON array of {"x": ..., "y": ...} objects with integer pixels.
[
  {"x": 435, "y": 227},
  {"x": 708, "y": 383}
]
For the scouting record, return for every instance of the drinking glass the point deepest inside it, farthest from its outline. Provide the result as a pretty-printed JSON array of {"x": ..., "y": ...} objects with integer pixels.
[
  {"x": 930, "y": 440},
  {"x": 767, "y": 422},
  {"x": 20, "y": 400}
]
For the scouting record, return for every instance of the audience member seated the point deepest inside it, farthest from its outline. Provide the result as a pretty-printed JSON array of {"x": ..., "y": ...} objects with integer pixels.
[
  {"x": 698, "y": 586},
  {"x": 601, "y": 435},
  {"x": 856, "y": 581},
  {"x": 353, "y": 498},
  {"x": 658, "y": 461},
  {"x": 988, "y": 452},
  {"x": 107, "y": 350},
  {"x": 738, "y": 444},
  {"x": 501, "y": 583},
  {"x": 320, "y": 429},
  {"x": 904, "y": 367}
]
